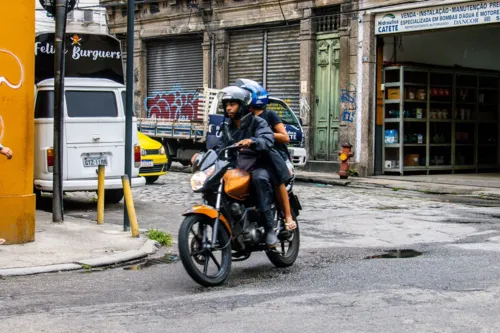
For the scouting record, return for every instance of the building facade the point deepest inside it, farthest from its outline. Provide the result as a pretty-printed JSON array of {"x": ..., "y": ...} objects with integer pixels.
[
  {"x": 332, "y": 62},
  {"x": 87, "y": 17}
]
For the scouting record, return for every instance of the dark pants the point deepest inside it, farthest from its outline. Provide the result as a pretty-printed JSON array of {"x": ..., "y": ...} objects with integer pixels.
[{"x": 262, "y": 186}]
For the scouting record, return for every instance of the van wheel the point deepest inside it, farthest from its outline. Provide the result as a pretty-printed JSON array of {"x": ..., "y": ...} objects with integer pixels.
[
  {"x": 151, "y": 179},
  {"x": 113, "y": 196}
]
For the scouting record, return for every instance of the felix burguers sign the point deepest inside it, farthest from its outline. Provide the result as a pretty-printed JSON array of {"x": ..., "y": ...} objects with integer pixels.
[{"x": 447, "y": 16}]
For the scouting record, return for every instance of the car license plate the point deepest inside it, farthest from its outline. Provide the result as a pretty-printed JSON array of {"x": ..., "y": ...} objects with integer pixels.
[
  {"x": 147, "y": 163},
  {"x": 89, "y": 162}
]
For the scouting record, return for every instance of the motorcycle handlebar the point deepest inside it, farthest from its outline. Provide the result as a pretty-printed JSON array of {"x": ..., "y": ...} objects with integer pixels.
[{"x": 235, "y": 146}]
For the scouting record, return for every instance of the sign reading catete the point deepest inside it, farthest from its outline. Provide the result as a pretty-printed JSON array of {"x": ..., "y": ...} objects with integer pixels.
[{"x": 447, "y": 16}]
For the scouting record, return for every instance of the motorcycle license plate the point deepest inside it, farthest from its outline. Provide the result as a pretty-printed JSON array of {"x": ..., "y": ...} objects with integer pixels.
[{"x": 90, "y": 162}]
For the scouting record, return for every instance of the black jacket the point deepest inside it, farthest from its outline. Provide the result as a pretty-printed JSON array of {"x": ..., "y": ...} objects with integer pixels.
[{"x": 254, "y": 128}]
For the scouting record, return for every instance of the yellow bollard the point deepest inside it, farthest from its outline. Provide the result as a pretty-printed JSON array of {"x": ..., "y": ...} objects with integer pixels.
[
  {"x": 129, "y": 201},
  {"x": 100, "y": 194}
]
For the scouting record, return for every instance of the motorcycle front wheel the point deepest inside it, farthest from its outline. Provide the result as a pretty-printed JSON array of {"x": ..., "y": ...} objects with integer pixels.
[{"x": 207, "y": 265}]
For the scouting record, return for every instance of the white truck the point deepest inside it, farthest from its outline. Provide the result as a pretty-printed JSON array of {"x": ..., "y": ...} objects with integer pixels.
[
  {"x": 186, "y": 132},
  {"x": 94, "y": 116}
]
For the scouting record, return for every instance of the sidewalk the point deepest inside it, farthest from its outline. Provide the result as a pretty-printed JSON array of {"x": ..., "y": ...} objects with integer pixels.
[
  {"x": 475, "y": 185},
  {"x": 74, "y": 244},
  {"x": 484, "y": 186}
]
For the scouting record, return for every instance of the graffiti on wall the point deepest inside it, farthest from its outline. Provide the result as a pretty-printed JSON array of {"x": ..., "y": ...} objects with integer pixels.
[
  {"x": 176, "y": 104},
  {"x": 304, "y": 107},
  {"x": 5, "y": 80},
  {"x": 348, "y": 103}
]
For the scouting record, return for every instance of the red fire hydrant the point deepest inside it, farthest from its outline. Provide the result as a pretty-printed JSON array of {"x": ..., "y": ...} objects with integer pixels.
[{"x": 344, "y": 155}]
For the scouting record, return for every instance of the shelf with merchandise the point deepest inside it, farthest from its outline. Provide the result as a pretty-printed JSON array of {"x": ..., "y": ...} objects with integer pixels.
[{"x": 458, "y": 118}]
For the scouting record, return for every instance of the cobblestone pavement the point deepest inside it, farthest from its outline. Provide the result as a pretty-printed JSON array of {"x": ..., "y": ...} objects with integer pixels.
[{"x": 332, "y": 216}]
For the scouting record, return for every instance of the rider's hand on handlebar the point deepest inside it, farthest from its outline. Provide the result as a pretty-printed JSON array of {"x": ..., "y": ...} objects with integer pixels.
[{"x": 245, "y": 143}]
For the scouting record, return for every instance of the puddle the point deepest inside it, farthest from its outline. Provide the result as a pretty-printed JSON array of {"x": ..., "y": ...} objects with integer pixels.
[
  {"x": 166, "y": 259},
  {"x": 396, "y": 254}
]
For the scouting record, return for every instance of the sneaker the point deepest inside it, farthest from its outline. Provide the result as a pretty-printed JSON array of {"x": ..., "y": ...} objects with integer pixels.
[{"x": 271, "y": 238}]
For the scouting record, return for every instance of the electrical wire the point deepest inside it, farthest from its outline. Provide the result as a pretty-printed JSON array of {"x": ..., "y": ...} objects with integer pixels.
[{"x": 284, "y": 18}]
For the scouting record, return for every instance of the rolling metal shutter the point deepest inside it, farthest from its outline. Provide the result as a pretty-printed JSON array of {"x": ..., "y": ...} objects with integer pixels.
[
  {"x": 175, "y": 63},
  {"x": 273, "y": 52},
  {"x": 283, "y": 65},
  {"x": 246, "y": 55}
]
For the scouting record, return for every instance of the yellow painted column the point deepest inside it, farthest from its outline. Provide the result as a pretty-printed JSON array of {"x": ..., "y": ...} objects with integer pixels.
[{"x": 17, "y": 61}]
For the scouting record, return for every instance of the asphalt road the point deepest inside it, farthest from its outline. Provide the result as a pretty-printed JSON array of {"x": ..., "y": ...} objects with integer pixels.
[{"x": 335, "y": 286}]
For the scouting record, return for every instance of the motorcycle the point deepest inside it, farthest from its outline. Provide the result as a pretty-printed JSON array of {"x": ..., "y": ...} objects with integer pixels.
[{"x": 226, "y": 226}]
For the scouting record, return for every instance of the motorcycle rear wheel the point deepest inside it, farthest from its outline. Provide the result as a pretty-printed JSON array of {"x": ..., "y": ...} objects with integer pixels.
[
  {"x": 193, "y": 255},
  {"x": 284, "y": 256}
]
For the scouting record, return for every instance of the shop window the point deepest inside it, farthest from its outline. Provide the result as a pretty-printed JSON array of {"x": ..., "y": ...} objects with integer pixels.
[{"x": 154, "y": 7}]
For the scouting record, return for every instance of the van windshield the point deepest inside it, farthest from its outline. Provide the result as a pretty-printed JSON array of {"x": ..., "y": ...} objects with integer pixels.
[
  {"x": 44, "y": 107},
  {"x": 91, "y": 104}
]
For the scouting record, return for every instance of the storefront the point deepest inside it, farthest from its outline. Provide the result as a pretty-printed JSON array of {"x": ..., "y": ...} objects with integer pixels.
[
  {"x": 270, "y": 56},
  {"x": 437, "y": 91}
]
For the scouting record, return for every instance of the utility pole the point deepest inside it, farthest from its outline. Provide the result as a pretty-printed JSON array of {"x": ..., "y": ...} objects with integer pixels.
[
  {"x": 129, "y": 102},
  {"x": 59, "y": 66}
]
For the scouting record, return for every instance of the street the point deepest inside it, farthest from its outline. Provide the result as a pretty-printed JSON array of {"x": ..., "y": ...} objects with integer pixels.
[{"x": 446, "y": 278}]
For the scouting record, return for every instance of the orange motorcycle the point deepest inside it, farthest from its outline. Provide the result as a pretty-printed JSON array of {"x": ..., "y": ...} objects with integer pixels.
[{"x": 227, "y": 226}]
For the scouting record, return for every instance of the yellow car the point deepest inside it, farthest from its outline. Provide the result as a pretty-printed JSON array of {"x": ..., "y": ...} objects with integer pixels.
[{"x": 154, "y": 160}]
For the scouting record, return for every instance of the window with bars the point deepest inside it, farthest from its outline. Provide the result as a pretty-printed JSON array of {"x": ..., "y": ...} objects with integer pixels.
[
  {"x": 154, "y": 7},
  {"x": 327, "y": 19}
]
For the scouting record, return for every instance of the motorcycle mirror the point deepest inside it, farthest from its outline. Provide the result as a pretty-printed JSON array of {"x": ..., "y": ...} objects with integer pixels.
[
  {"x": 246, "y": 120},
  {"x": 227, "y": 133}
]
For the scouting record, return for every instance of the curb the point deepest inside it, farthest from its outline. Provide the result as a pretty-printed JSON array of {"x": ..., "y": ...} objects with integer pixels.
[{"x": 148, "y": 248}]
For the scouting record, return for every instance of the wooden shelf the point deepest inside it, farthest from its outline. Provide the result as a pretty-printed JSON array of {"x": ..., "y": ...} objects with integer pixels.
[
  {"x": 453, "y": 79},
  {"x": 415, "y": 120},
  {"x": 414, "y": 168}
]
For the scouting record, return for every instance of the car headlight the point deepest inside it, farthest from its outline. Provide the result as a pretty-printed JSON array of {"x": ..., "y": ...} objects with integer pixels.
[
  {"x": 161, "y": 151},
  {"x": 199, "y": 178}
]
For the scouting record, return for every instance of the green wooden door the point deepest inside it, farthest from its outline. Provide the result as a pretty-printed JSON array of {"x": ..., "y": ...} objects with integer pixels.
[{"x": 327, "y": 91}]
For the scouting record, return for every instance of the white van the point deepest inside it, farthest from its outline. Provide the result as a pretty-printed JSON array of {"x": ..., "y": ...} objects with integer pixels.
[{"x": 94, "y": 133}]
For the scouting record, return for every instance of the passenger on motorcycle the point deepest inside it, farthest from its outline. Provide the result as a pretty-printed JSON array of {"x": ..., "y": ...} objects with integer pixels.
[
  {"x": 258, "y": 108},
  {"x": 254, "y": 134}
]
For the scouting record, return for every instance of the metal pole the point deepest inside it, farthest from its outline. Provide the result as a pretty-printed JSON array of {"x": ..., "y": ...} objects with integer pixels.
[
  {"x": 130, "y": 99},
  {"x": 212, "y": 59},
  {"x": 59, "y": 66}
]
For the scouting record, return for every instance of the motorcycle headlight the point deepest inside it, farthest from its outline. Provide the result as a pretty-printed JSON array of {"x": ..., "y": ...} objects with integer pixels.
[
  {"x": 161, "y": 151},
  {"x": 199, "y": 178}
]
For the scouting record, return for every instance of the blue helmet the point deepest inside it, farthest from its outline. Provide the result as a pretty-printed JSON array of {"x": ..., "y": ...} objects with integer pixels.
[{"x": 260, "y": 96}]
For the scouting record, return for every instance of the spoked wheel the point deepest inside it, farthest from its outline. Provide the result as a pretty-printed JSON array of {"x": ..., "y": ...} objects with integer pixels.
[
  {"x": 287, "y": 250},
  {"x": 208, "y": 264}
]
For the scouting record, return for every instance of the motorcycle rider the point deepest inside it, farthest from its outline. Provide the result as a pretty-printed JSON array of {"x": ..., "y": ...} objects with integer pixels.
[
  {"x": 258, "y": 108},
  {"x": 254, "y": 134}
]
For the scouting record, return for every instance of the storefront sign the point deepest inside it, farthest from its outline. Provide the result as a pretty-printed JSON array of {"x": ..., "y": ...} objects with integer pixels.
[
  {"x": 448, "y": 16},
  {"x": 87, "y": 56}
]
